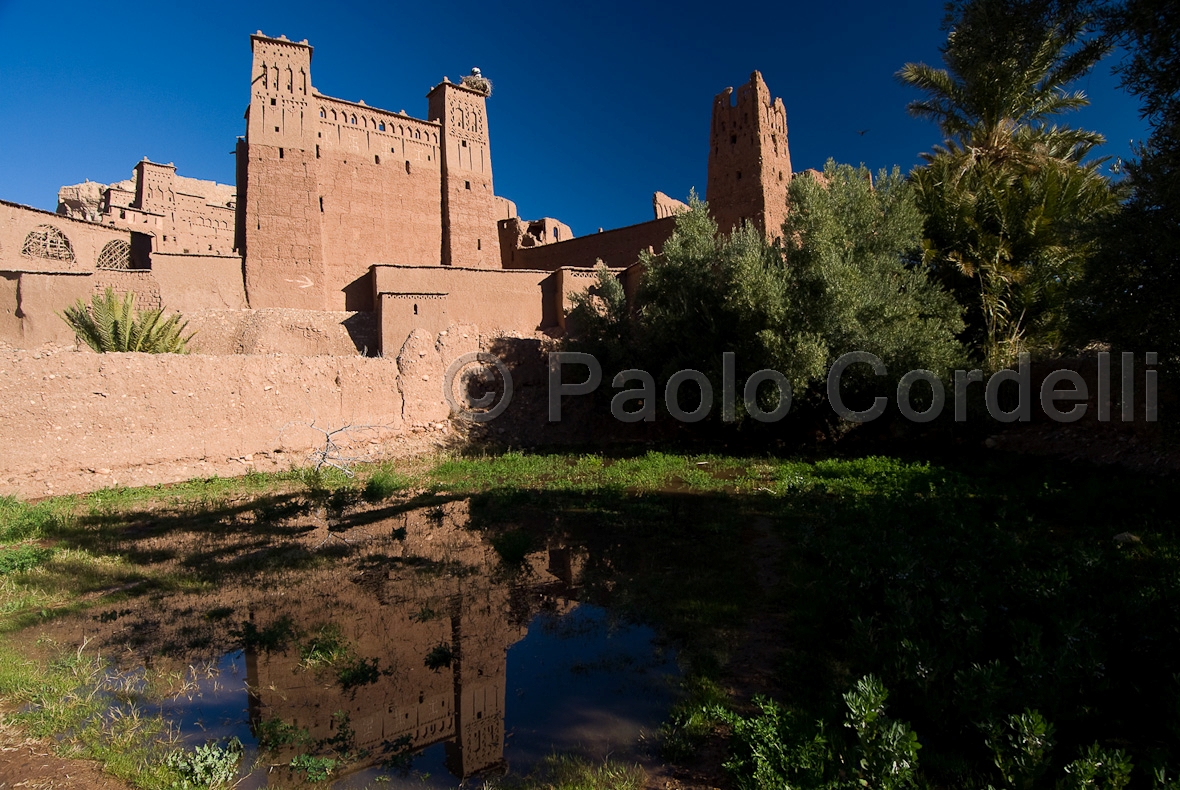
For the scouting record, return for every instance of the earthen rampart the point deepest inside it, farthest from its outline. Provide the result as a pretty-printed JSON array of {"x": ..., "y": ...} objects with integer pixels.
[
  {"x": 617, "y": 248},
  {"x": 427, "y": 297},
  {"x": 79, "y": 421}
]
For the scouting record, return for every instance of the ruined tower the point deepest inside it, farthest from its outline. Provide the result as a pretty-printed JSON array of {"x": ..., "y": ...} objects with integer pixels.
[
  {"x": 469, "y": 205},
  {"x": 281, "y": 221},
  {"x": 749, "y": 164}
]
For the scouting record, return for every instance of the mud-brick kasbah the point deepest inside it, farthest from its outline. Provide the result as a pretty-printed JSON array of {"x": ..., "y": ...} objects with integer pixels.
[{"x": 360, "y": 251}]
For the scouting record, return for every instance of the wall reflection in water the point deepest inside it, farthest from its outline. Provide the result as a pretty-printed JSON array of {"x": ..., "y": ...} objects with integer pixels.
[{"x": 420, "y": 635}]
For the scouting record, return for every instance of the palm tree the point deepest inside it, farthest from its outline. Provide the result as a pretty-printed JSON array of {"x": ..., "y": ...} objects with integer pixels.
[
  {"x": 111, "y": 323},
  {"x": 1007, "y": 195}
]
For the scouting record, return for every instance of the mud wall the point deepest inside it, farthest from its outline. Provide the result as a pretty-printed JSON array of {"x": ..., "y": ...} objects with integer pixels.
[
  {"x": 618, "y": 248},
  {"x": 199, "y": 282},
  {"x": 75, "y": 421},
  {"x": 431, "y": 297}
]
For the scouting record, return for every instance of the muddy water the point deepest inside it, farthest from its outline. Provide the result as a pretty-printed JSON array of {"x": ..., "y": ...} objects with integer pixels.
[{"x": 424, "y": 654}]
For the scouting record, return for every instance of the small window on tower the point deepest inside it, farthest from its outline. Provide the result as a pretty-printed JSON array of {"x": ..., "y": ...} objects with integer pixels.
[
  {"x": 415, "y": 309},
  {"x": 280, "y": 153},
  {"x": 732, "y": 139},
  {"x": 739, "y": 175},
  {"x": 376, "y": 159},
  {"x": 321, "y": 204},
  {"x": 467, "y": 184},
  {"x": 317, "y": 152},
  {"x": 479, "y": 244},
  {"x": 276, "y": 128},
  {"x": 272, "y": 102},
  {"x": 407, "y": 165},
  {"x": 463, "y": 143}
]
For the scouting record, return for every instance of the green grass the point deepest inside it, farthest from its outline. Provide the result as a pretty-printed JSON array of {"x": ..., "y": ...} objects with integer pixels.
[
  {"x": 974, "y": 588},
  {"x": 570, "y": 772},
  {"x": 91, "y": 713}
]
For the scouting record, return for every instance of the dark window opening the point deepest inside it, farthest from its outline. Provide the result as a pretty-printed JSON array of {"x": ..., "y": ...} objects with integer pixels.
[
  {"x": 467, "y": 184},
  {"x": 415, "y": 309},
  {"x": 463, "y": 143},
  {"x": 376, "y": 159},
  {"x": 280, "y": 153},
  {"x": 407, "y": 165},
  {"x": 317, "y": 152},
  {"x": 276, "y": 128},
  {"x": 557, "y": 234},
  {"x": 272, "y": 102},
  {"x": 321, "y": 204},
  {"x": 479, "y": 244},
  {"x": 739, "y": 175},
  {"x": 732, "y": 139}
]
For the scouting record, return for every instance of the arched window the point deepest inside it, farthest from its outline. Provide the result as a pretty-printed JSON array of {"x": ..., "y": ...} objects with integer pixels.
[
  {"x": 323, "y": 114},
  {"x": 46, "y": 241},
  {"x": 353, "y": 119},
  {"x": 381, "y": 126},
  {"x": 115, "y": 255}
]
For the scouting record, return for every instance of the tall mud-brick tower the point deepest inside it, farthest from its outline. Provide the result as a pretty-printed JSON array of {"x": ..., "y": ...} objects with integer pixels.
[
  {"x": 280, "y": 223},
  {"x": 469, "y": 206},
  {"x": 749, "y": 164}
]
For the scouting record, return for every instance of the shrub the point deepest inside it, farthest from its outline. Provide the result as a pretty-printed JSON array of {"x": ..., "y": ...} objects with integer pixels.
[
  {"x": 110, "y": 323},
  {"x": 208, "y": 766},
  {"x": 849, "y": 279}
]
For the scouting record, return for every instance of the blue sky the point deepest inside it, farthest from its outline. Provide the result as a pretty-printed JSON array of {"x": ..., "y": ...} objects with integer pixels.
[{"x": 595, "y": 105}]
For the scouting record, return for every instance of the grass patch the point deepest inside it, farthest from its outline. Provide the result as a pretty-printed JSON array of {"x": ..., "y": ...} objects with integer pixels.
[
  {"x": 570, "y": 772},
  {"x": 383, "y": 484},
  {"x": 92, "y": 712},
  {"x": 22, "y": 557}
]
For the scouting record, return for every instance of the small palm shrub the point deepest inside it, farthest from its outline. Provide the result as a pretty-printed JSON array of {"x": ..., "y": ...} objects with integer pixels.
[{"x": 111, "y": 323}]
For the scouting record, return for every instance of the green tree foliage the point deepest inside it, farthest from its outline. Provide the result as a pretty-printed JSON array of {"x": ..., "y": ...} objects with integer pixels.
[
  {"x": 1135, "y": 298},
  {"x": 1010, "y": 198},
  {"x": 110, "y": 323},
  {"x": 846, "y": 281}
]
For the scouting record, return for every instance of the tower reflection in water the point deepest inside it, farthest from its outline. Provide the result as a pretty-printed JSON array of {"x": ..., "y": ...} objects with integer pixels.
[{"x": 435, "y": 607}]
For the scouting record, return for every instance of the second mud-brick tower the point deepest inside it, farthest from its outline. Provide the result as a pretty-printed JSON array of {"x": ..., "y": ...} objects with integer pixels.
[{"x": 749, "y": 163}]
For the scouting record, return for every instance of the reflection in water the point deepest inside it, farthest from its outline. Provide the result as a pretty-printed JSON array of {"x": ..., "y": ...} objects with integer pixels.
[{"x": 406, "y": 647}]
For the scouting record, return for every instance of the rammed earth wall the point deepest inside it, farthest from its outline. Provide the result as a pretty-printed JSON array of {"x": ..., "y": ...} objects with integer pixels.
[{"x": 76, "y": 421}]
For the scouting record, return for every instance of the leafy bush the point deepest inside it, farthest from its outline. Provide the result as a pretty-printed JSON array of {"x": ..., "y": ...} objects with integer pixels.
[
  {"x": 110, "y": 323},
  {"x": 22, "y": 557},
  {"x": 208, "y": 766},
  {"x": 848, "y": 280},
  {"x": 317, "y": 769},
  {"x": 776, "y": 750},
  {"x": 273, "y": 734}
]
